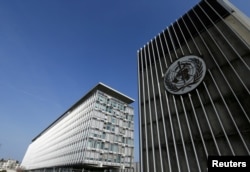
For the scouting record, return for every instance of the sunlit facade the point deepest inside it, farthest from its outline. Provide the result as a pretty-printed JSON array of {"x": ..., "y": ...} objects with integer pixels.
[
  {"x": 97, "y": 132},
  {"x": 194, "y": 90}
]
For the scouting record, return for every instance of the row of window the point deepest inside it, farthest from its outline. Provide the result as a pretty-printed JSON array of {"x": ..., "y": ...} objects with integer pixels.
[
  {"x": 113, "y": 120},
  {"x": 106, "y": 157},
  {"x": 121, "y": 122},
  {"x": 118, "y": 129},
  {"x": 111, "y": 137},
  {"x": 117, "y": 113},
  {"x": 102, "y": 98},
  {"x": 113, "y": 147}
]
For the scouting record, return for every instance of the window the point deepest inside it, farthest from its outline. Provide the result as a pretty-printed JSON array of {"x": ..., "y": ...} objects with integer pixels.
[
  {"x": 120, "y": 107},
  {"x": 98, "y": 145},
  {"x": 123, "y": 116},
  {"x": 108, "y": 109},
  {"x": 108, "y": 127},
  {"x": 113, "y": 128},
  {"x": 101, "y": 98},
  {"x": 119, "y": 138},
  {"x": 90, "y": 143},
  {"x": 114, "y": 158},
  {"x": 125, "y": 124},
  {"x": 113, "y": 120},
  {"x": 123, "y": 140},
  {"x": 115, "y": 148},
  {"x": 131, "y": 117},
  {"x": 118, "y": 159},
  {"x": 130, "y": 141},
  {"x": 111, "y": 137},
  {"x": 96, "y": 105},
  {"x": 131, "y": 125},
  {"x": 106, "y": 146},
  {"x": 103, "y": 135},
  {"x": 113, "y": 103},
  {"x": 122, "y": 130},
  {"x": 100, "y": 107},
  {"x": 95, "y": 133}
]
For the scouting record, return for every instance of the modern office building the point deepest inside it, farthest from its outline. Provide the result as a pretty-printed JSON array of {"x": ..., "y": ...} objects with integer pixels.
[
  {"x": 194, "y": 85},
  {"x": 96, "y": 133}
]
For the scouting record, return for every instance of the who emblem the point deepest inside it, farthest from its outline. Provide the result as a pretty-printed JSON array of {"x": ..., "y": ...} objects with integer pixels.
[{"x": 184, "y": 75}]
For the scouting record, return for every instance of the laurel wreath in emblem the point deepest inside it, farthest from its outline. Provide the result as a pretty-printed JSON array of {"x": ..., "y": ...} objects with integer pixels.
[{"x": 184, "y": 74}]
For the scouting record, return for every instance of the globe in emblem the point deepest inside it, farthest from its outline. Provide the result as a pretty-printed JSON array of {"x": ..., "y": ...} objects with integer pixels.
[{"x": 184, "y": 75}]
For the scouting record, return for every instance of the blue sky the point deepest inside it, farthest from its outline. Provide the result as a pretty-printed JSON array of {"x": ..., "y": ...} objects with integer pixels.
[{"x": 52, "y": 52}]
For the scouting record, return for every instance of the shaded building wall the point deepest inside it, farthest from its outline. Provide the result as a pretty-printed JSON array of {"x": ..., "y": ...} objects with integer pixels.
[{"x": 179, "y": 132}]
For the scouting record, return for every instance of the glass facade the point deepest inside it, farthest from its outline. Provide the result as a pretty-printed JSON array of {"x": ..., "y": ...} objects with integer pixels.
[{"x": 97, "y": 131}]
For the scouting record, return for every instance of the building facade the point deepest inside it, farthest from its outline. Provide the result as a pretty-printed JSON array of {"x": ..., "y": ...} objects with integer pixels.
[
  {"x": 193, "y": 81},
  {"x": 96, "y": 133}
]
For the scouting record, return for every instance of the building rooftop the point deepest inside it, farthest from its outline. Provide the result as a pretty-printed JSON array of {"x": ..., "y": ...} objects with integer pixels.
[{"x": 112, "y": 92}]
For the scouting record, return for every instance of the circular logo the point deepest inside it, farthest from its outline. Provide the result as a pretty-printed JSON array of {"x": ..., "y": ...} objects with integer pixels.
[{"x": 184, "y": 75}]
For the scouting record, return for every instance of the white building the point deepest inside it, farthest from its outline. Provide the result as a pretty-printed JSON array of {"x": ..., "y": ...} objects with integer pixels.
[
  {"x": 96, "y": 132},
  {"x": 9, "y": 164}
]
